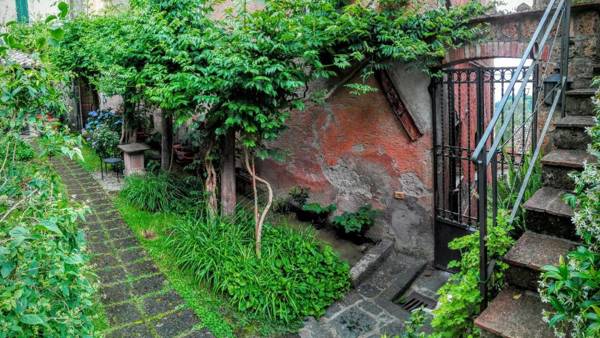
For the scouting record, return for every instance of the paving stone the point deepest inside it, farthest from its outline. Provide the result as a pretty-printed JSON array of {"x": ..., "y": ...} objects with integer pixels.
[
  {"x": 392, "y": 329},
  {"x": 125, "y": 243},
  {"x": 114, "y": 223},
  {"x": 371, "y": 308},
  {"x": 122, "y": 314},
  {"x": 148, "y": 285},
  {"x": 116, "y": 293},
  {"x": 368, "y": 290},
  {"x": 92, "y": 218},
  {"x": 162, "y": 303},
  {"x": 139, "y": 330},
  {"x": 132, "y": 255},
  {"x": 104, "y": 261},
  {"x": 99, "y": 247},
  {"x": 100, "y": 208},
  {"x": 176, "y": 323},
  {"x": 353, "y": 323},
  {"x": 120, "y": 232},
  {"x": 142, "y": 268},
  {"x": 109, "y": 276},
  {"x": 204, "y": 333},
  {"x": 96, "y": 236}
]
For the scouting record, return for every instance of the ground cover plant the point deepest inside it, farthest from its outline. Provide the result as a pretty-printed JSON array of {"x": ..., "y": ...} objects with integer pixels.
[
  {"x": 296, "y": 277},
  {"x": 43, "y": 271},
  {"x": 356, "y": 223},
  {"x": 573, "y": 287}
]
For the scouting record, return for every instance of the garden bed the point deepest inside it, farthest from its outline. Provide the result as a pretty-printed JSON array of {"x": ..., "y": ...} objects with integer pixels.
[{"x": 349, "y": 251}]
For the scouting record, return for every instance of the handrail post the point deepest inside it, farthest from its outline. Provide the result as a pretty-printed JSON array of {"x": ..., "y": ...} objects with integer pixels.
[
  {"x": 482, "y": 215},
  {"x": 482, "y": 195},
  {"x": 564, "y": 55}
]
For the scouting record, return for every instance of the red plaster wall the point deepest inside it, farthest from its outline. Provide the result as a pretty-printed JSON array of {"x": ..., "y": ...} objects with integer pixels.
[{"x": 353, "y": 151}]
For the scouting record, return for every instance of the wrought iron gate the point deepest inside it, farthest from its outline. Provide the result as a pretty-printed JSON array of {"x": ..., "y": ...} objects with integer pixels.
[{"x": 463, "y": 104}]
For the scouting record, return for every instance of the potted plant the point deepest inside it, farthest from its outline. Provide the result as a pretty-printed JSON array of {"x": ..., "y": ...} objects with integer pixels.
[
  {"x": 354, "y": 225},
  {"x": 315, "y": 213}
]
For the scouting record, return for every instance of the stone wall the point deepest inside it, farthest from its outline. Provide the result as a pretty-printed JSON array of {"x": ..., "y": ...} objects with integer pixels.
[{"x": 353, "y": 151}]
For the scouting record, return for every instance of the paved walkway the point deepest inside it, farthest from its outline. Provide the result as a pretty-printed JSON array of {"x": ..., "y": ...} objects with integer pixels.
[
  {"x": 137, "y": 298},
  {"x": 369, "y": 311}
]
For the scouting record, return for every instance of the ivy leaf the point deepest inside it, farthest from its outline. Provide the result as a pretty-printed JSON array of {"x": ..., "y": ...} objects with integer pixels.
[
  {"x": 57, "y": 33},
  {"x": 50, "y": 225},
  {"x": 63, "y": 8},
  {"x": 6, "y": 269},
  {"x": 32, "y": 319}
]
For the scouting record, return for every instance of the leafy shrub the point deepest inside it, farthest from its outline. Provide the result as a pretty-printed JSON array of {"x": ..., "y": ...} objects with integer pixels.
[
  {"x": 573, "y": 290},
  {"x": 459, "y": 299},
  {"x": 22, "y": 150},
  {"x": 296, "y": 276},
  {"x": 573, "y": 287},
  {"x": 103, "y": 132},
  {"x": 299, "y": 195},
  {"x": 318, "y": 209},
  {"x": 356, "y": 222},
  {"x": 44, "y": 290},
  {"x": 105, "y": 141},
  {"x": 161, "y": 192}
]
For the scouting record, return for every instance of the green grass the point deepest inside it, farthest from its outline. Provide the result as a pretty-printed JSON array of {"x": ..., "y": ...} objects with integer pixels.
[
  {"x": 91, "y": 160},
  {"x": 215, "y": 312}
]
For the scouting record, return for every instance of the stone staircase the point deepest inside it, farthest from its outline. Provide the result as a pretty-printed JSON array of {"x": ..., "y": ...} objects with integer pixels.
[{"x": 517, "y": 310}]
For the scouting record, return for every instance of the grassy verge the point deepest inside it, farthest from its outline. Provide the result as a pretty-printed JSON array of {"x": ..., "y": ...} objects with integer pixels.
[
  {"x": 91, "y": 160},
  {"x": 215, "y": 312}
]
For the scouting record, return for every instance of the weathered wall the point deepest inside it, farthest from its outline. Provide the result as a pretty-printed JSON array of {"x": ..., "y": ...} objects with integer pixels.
[
  {"x": 353, "y": 151},
  {"x": 8, "y": 11}
]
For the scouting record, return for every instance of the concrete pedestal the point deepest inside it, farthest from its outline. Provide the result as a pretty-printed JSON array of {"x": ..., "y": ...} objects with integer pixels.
[{"x": 133, "y": 155}]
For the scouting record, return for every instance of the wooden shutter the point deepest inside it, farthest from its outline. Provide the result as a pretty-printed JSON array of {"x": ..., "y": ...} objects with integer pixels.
[{"x": 22, "y": 11}]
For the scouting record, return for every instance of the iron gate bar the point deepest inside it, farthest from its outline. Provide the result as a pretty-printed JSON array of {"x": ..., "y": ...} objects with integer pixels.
[{"x": 462, "y": 98}]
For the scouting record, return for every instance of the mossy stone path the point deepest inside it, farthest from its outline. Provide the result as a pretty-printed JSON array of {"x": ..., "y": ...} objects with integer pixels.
[{"x": 136, "y": 296}]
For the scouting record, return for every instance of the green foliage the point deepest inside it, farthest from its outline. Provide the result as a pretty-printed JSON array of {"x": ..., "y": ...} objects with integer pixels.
[
  {"x": 159, "y": 192},
  {"x": 43, "y": 269},
  {"x": 573, "y": 290},
  {"x": 509, "y": 186},
  {"x": 299, "y": 195},
  {"x": 22, "y": 151},
  {"x": 459, "y": 299},
  {"x": 105, "y": 140},
  {"x": 357, "y": 222},
  {"x": 296, "y": 276},
  {"x": 318, "y": 209},
  {"x": 573, "y": 287}
]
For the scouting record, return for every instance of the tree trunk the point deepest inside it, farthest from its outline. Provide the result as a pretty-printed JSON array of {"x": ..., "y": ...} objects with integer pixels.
[
  {"x": 259, "y": 217},
  {"x": 228, "y": 193},
  {"x": 166, "y": 143}
]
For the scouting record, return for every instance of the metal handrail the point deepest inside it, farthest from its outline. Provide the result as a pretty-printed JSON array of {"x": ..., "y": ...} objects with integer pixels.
[
  {"x": 526, "y": 55},
  {"x": 484, "y": 157}
]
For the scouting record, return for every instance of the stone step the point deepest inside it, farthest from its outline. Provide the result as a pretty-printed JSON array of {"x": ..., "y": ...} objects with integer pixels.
[
  {"x": 557, "y": 165},
  {"x": 532, "y": 252},
  {"x": 570, "y": 132},
  {"x": 514, "y": 313},
  {"x": 547, "y": 213},
  {"x": 579, "y": 102},
  {"x": 584, "y": 92}
]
